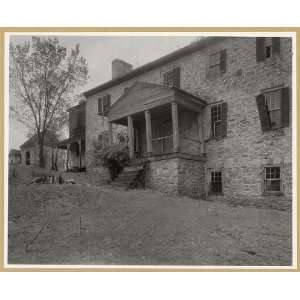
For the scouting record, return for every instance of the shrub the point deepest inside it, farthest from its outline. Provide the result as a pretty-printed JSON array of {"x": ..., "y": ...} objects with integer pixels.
[{"x": 112, "y": 157}]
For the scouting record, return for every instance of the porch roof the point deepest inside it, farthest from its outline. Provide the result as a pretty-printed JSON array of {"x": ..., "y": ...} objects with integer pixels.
[{"x": 144, "y": 96}]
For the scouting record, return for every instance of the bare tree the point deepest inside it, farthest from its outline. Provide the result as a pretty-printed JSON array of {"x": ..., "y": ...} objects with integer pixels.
[{"x": 43, "y": 78}]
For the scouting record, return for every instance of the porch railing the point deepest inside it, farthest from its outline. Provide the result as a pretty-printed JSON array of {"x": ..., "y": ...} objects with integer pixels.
[{"x": 162, "y": 145}]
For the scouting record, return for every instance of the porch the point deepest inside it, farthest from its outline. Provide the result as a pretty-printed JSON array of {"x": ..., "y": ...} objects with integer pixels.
[
  {"x": 160, "y": 121},
  {"x": 74, "y": 154}
]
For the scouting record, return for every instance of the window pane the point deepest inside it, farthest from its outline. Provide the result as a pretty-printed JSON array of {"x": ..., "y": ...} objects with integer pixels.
[{"x": 273, "y": 185}]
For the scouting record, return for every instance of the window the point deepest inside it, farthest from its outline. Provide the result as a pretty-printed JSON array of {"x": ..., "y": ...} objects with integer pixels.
[
  {"x": 216, "y": 117},
  {"x": 274, "y": 108},
  {"x": 217, "y": 64},
  {"x": 219, "y": 120},
  {"x": 104, "y": 105},
  {"x": 272, "y": 179},
  {"x": 172, "y": 78},
  {"x": 267, "y": 47},
  {"x": 216, "y": 182},
  {"x": 103, "y": 139},
  {"x": 272, "y": 102},
  {"x": 27, "y": 157}
]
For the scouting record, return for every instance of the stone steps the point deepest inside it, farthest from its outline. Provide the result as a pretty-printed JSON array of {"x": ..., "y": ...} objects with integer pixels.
[{"x": 128, "y": 177}]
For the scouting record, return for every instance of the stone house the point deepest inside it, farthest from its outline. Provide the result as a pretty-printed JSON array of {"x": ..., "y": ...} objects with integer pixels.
[
  {"x": 74, "y": 145},
  {"x": 30, "y": 151},
  {"x": 210, "y": 120},
  {"x": 14, "y": 157}
]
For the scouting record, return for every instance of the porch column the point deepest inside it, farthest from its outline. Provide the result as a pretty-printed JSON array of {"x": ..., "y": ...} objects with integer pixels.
[
  {"x": 130, "y": 137},
  {"x": 175, "y": 127},
  {"x": 56, "y": 157},
  {"x": 68, "y": 156},
  {"x": 79, "y": 146},
  {"x": 201, "y": 132},
  {"x": 148, "y": 132},
  {"x": 110, "y": 134}
]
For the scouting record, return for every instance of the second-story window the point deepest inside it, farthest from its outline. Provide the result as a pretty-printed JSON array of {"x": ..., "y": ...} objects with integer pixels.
[
  {"x": 172, "y": 78},
  {"x": 104, "y": 105},
  {"x": 217, "y": 64},
  {"x": 274, "y": 108},
  {"x": 267, "y": 47}
]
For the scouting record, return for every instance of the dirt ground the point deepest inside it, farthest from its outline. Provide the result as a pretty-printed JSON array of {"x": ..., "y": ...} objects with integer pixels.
[{"x": 84, "y": 224}]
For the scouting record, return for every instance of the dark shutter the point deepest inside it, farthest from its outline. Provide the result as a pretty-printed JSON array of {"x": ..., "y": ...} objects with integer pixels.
[
  {"x": 260, "y": 49},
  {"x": 275, "y": 45},
  {"x": 100, "y": 106},
  {"x": 224, "y": 119},
  {"x": 223, "y": 58},
  {"x": 263, "y": 113},
  {"x": 285, "y": 107},
  {"x": 176, "y": 77}
]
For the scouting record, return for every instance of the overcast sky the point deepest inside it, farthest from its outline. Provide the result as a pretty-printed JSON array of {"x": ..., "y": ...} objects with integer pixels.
[{"x": 99, "y": 52}]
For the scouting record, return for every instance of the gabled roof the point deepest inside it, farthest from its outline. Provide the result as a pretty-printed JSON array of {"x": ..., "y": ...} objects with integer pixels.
[
  {"x": 142, "y": 96},
  {"x": 195, "y": 46},
  {"x": 50, "y": 139},
  {"x": 14, "y": 152}
]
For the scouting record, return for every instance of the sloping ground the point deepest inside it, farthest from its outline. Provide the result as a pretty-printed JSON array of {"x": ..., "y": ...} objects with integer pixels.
[{"x": 81, "y": 224}]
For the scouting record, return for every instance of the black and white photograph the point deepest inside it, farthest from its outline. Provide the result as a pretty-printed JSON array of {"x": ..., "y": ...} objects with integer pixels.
[{"x": 162, "y": 150}]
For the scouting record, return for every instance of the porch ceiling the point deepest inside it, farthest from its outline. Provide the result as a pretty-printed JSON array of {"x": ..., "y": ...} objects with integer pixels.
[{"x": 147, "y": 96}]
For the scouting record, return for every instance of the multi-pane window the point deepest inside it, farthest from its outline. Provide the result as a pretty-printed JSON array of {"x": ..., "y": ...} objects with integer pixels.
[
  {"x": 216, "y": 182},
  {"x": 214, "y": 64},
  {"x": 272, "y": 179},
  {"x": 103, "y": 105},
  {"x": 172, "y": 78},
  {"x": 272, "y": 101},
  {"x": 216, "y": 120},
  {"x": 217, "y": 64},
  {"x": 268, "y": 47}
]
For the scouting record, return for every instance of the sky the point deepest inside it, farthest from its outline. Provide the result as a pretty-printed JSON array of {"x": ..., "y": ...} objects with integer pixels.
[{"x": 100, "y": 51}]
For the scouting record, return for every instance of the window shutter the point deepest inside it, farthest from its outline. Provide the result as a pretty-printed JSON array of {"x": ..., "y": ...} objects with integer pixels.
[
  {"x": 285, "y": 107},
  {"x": 275, "y": 45},
  {"x": 176, "y": 77},
  {"x": 260, "y": 49},
  {"x": 100, "y": 106},
  {"x": 223, "y": 58},
  {"x": 263, "y": 113},
  {"x": 224, "y": 119}
]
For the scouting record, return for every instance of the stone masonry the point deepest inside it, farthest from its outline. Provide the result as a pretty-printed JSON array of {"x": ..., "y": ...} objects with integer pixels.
[{"x": 243, "y": 153}]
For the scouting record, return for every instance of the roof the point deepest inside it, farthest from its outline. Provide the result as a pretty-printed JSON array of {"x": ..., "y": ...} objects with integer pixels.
[
  {"x": 144, "y": 96},
  {"x": 15, "y": 152},
  {"x": 81, "y": 105},
  {"x": 50, "y": 139},
  {"x": 202, "y": 43}
]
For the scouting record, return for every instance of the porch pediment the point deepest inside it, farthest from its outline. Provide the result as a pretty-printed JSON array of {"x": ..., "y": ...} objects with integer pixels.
[{"x": 144, "y": 96}]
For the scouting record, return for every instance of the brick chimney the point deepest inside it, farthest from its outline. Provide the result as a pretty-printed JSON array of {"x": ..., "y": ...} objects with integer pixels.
[{"x": 119, "y": 68}]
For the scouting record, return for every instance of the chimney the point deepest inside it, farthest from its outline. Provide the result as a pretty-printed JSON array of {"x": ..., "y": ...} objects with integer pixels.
[{"x": 119, "y": 68}]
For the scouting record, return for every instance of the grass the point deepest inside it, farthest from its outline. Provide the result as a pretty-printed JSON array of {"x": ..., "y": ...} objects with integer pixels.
[{"x": 84, "y": 224}]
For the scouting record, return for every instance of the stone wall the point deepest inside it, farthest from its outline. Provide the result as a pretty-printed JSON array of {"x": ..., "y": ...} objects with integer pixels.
[
  {"x": 162, "y": 175},
  {"x": 191, "y": 178},
  {"x": 247, "y": 149}
]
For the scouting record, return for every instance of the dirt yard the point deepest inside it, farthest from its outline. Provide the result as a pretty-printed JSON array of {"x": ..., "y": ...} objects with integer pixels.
[{"x": 82, "y": 224}]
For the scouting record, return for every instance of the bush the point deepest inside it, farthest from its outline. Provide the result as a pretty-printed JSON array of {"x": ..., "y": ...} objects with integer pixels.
[{"x": 112, "y": 157}]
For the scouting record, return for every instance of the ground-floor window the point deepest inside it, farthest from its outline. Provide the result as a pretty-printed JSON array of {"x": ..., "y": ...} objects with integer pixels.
[
  {"x": 272, "y": 179},
  {"x": 27, "y": 157},
  {"x": 216, "y": 182}
]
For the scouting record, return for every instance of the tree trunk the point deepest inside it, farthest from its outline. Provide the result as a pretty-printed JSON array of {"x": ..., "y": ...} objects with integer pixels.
[{"x": 41, "y": 154}]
